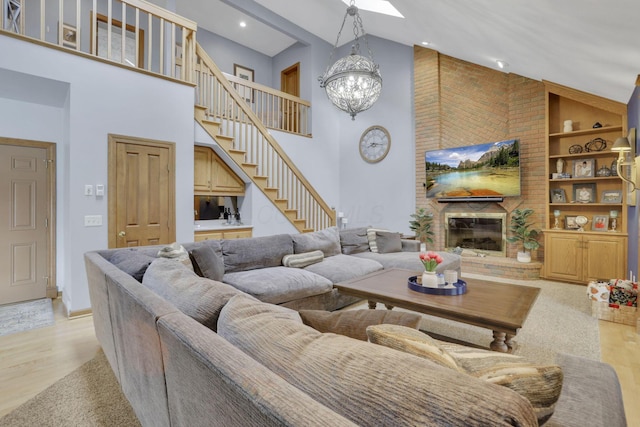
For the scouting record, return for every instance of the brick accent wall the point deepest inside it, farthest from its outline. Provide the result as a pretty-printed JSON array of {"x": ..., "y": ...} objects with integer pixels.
[{"x": 458, "y": 103}]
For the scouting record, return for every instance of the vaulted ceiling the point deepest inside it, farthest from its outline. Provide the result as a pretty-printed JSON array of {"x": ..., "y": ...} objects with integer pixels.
[{"x": 591, "y": 45}]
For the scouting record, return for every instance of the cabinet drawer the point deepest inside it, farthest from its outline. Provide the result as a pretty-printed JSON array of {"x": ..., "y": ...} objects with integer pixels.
[
  {"x": 207, "y": 235},
  {"x": 237, "y": 234}
]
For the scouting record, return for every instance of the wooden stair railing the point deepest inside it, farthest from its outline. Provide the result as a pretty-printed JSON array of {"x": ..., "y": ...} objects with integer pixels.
[{"x": 230, "y": 121}]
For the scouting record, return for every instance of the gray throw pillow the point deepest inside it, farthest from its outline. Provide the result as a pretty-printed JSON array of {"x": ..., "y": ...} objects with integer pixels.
[
  {"x": 208, "y": 258},
  {"x": 354, "y": 240},
  {"x": 197, "y": 297},
  {"x": 131, "y": 262},
  {"x": 327, "y": 241},
  {"x": 388, "y": 242}
]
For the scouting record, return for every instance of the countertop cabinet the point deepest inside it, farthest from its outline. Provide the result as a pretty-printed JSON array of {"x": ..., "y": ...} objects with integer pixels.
[
  {"x": 581, "y": 150},
  {"x": 212, "y": 176},
  {"x": 234, "y": 233},
  {"x": 582, "y": 257}
]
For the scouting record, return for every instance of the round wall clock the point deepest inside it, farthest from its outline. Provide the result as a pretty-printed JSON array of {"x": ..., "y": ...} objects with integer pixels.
[{"x": 374, "y": 144}]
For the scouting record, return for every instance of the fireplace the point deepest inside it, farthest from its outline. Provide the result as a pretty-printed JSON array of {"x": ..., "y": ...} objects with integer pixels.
[{"x": 482, "y": 232}]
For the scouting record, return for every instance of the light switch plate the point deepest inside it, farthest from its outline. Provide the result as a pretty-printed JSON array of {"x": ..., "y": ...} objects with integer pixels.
[{"x": 88, "y": 190}]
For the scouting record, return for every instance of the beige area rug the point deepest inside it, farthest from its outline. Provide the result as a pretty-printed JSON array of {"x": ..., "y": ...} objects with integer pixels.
[
  {"x": 89, "y": 396},
  {"x": 25, "y": 316},
  {"x": 559, "y": 322}
]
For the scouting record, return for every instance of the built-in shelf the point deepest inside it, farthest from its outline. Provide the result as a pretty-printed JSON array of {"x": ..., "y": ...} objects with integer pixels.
[{"x": 586, "y": 132}]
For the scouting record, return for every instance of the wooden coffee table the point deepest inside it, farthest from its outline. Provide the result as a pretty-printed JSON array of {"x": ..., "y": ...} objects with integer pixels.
[{"x": 499, "y": 307}]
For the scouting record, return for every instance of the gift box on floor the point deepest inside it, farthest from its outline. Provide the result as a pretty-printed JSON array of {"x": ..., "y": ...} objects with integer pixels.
[{"x": 614, "y": 301}]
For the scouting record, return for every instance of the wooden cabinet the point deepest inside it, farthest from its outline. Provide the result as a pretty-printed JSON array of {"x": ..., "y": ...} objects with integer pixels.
[
  {"x": 582, "y": 257},
  {"x": 234, "y": 233},
  {"x": 212, "y": 176},
  {"x": 584, "y": 152}
]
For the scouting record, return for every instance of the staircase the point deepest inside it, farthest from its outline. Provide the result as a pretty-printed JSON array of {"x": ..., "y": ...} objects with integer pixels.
[{"x": 232, "y": 124}]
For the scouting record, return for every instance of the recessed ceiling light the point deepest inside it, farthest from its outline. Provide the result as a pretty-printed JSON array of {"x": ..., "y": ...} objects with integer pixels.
[
  {"x": 243, "y": 24},
  {"x": 378, "y": 6},
  {"x": 502, "y": 64},
  {"x": 425, "y": 43}
]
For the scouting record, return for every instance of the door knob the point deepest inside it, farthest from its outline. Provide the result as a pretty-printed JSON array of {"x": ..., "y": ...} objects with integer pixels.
[{"x": 122, "y": 234}]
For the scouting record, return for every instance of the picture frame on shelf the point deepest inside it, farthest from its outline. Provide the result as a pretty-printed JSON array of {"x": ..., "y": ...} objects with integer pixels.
[
  {"x": 570, "y": 222},
  {"x": 69, "y": 34},
  {"x": 584, "y": 192},
  {"x": 611, "y": 196},
  {"x": 584, "y": 168},
  {"x": 600, "y": 223},
  {"x": 558, "y": 195}
]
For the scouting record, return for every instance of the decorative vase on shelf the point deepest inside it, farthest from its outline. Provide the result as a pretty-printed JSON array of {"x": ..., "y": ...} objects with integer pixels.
[
  {"x": 559, "y": 165},
  {"x": 568, "y": 126},
  {"x": 430, "y": 279}
]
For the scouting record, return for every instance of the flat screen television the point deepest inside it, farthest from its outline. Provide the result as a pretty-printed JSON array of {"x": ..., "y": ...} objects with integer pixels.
[{"x": 475, "y": 172}]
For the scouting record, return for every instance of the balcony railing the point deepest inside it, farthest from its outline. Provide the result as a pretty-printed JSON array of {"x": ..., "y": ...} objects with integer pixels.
[
  {"x": 155, "y": 40},
  {"x": 277, "y": 110}
]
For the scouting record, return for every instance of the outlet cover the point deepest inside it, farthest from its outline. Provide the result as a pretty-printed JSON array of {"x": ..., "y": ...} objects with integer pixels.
[{"x": 93, "y": 220}]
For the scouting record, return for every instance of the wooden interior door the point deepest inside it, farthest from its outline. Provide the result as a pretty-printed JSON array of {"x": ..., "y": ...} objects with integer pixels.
[
  {"x": 24, "y": 222},
  {"x": 290, "y": 83},
  {"x": 142, "y": 200}
]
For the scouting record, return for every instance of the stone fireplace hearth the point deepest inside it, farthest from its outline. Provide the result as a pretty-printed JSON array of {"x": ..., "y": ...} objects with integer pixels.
[{"x": 477, "y": 231}]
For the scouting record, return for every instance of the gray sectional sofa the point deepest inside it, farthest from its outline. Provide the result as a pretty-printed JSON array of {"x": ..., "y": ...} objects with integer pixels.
[{"x": 191, "y": 350}]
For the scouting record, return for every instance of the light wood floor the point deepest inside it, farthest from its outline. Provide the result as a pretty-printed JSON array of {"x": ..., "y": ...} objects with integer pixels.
[{"x": 31, "y": 361}]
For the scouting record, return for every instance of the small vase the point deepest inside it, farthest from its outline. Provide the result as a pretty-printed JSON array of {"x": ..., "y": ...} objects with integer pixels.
[{"x": 429, "y": 279}]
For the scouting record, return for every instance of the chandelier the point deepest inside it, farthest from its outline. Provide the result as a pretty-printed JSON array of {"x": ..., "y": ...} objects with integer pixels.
[{"x": 352, "y": 83}]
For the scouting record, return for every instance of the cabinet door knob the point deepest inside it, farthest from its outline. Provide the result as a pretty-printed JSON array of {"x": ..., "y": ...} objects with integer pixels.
[{"x": 122, "y": 234}]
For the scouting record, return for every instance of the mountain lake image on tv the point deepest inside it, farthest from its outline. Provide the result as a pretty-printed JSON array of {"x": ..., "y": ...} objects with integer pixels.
[{"x": 484, "y": 170}]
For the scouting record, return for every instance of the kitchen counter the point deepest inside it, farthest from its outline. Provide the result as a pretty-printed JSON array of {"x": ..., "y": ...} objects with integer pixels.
[{"x": 218, "y": 224}]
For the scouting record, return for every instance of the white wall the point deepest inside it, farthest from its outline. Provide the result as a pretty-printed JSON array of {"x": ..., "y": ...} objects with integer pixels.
[
  {"x": 102, "y": 99},
  {"x": 382, "y": 194}
]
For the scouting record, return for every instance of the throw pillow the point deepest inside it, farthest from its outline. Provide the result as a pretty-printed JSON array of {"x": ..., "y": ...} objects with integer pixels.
[
  {"x": 353, "y": 323},
  {"x": 354, "y": 240},
  {"x": 302, "y": 260},
  {"x": 131, "y": 262},
  {"x": 411, "y": 341},
  {"x": 176, "y": 252},
  {"x": 366, "y": 383},
  {"x": 197, "y": 297},
  {"x": 208, "y": 259},
  {"x": 327, "y": 240},
  {"x": 388, "y": 242},
  {"x": 540, "y": 384},
  {"x": 371, "y": 237}
]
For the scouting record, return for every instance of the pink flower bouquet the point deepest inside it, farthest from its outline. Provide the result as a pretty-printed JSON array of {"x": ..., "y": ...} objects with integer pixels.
[{"x": 430, "y": 260}]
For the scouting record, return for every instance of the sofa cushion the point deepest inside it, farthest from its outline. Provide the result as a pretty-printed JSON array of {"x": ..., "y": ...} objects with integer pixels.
[
  {"x": 339, "y": 268},
  {"x": 411, "y": 341},
  {"x": 354, "y": 240},
  {"x": 197, "y": 297},
  {"x": 327, "y": 240},
  {"x": 371, "y": 237},
  {"x": 208, "y": 259},
  {"x": 132, "y": 262},
  {"x": 388, "y": 242},
  {"x": 303, "y": 259},
  {"x": 255, "y": 252},
  {"x": 411, "y": 260},
  {"x": 364, "y": 382},
  {"x": 354, "y": 323},
  {"x": 540, "y": 384},
  {"x": 278, "y": 285}
]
